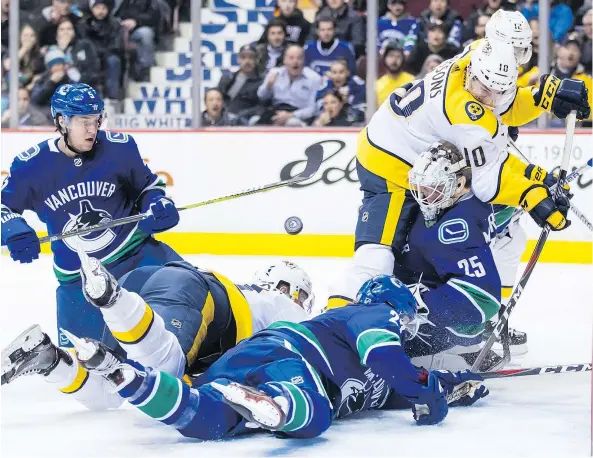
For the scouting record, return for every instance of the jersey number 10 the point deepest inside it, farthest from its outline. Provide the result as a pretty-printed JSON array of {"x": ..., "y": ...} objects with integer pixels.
[{"x": 478, "y": 158}]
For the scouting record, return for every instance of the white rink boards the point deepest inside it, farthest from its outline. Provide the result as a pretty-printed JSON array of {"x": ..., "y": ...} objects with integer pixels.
[{"x": 529, "y": 416}]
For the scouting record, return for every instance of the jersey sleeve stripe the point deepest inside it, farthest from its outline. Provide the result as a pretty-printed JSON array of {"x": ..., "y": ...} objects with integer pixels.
[{"x": 207, "y": 318}]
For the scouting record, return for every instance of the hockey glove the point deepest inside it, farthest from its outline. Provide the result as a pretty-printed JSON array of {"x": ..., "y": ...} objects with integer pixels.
[
  {"x": 513, "y": 133},
  {"x": 539, "y": 175},
  {"x": 561, "y": 97},
  {"x": 20, "y": 239},
  {"x": 164, "y": 215},
  {"x": 545, "y": 209},
  {"x": 430, "y": 406},
  {"x": 469, "y": 392}
]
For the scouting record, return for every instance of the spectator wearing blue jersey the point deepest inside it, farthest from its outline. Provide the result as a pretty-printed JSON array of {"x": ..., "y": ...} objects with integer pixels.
[
  {"x": 487, "y": 9},
  {"x": 438, "y": 12},
  {"x": 396, "y": 24},
  {"x": 320, "y": 54},
  {"x": 349, "y": 25},
  {"x": 561, "y": 17},
  {"x": 352, "y": 88}
]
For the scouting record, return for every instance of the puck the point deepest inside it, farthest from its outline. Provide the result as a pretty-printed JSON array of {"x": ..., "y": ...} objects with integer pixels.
[{"x": 293, "y": 225}]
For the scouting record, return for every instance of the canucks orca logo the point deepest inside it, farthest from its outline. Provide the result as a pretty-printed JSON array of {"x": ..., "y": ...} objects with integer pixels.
[
  {"x": 352, "y": 397},
  {"x": 89, "y": 216},
  {"x": 474, "y": 110}
]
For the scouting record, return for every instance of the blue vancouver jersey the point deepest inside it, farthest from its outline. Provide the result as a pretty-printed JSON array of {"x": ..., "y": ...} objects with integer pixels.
[
  {"x": 457, "y": 266},
  {"x": 389, "y": 30},
  {"x": 70, "y": 193},
  {"x": 320, "y": 59},
  {"x": 357, "y": 350},
  {"x": 356, "y": 93}
]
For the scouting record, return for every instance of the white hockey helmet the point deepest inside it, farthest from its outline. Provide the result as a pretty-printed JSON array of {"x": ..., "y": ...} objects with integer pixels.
[
  {"x": 435, "y": 179},
  {"x": 511, "y": 28},
  {"x": 492, "y": 73},
  {"x": 290, "y": 279}
]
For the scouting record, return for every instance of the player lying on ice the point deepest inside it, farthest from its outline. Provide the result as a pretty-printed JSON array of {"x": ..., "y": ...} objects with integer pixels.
[
  {"x": 290, "y": 378},
  {"x": 176, "y": 318}
]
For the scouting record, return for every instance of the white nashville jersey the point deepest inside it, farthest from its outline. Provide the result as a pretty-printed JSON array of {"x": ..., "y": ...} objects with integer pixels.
[{"x": 439, "y": 108}]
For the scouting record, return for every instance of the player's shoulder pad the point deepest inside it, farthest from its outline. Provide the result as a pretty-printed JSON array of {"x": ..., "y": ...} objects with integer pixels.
[{"x": 460, "y": 107}]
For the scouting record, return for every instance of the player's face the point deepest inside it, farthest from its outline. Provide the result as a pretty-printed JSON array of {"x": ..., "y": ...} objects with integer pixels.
[
  {"x": 82, "y": 131},
  {"x": 486, "y": 96},
  {"x": 276, "y": 36},
  {"x": 325, "y": 32},
  {"x": 338, "y": 73}
]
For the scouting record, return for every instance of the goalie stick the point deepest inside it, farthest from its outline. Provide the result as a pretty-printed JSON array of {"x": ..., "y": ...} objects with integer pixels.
[
  {"x": 505, "y": 311},
  {"x": 464, "y": 388},
  {"x": 314, "y": 155}
]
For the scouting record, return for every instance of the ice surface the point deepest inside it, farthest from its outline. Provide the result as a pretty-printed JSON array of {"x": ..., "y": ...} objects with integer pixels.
[{"x": 529, "y": 416}]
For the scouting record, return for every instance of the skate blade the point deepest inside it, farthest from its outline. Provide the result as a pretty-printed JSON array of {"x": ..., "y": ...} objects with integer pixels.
[
  {"x": 262, "y": 409},
  {"x": 28, "y": 340}
]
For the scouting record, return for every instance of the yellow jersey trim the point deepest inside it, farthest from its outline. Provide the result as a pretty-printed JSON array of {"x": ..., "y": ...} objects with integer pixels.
[
  {"x": 207, "y": 318},
  {"x": 239, "y": 306},
  {"x": 139, "y": 331}
]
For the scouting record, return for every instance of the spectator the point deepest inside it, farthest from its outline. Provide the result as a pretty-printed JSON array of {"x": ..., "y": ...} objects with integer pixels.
[
  {"x": 105, "y": 33},
  {"x": 4, "y": 10},
  {"x": 28, "y": 115},
  {"x": 393, "y": 57},
  {"x": 431, "y": 62},
  {"x": 30, "y": 61},
  {"x": 271, "y": 45},
  {"x": 297, "y": 27},
  {"x": 479, "y": 31},
  {"x": 487, "y": 9},
  {"x": 335, "y": 112},
  {"x": 292, "y": 89},
  {"x": 82, "y": 60},
  {"x": 140, "y": 18},
  {"x": 583, "y": 36},
  {"x": 55, "y": 75},
  {"x": 561, "y": 17},
  {"x": 47, "y": 23},
  {"x": 215, "y": 113},
  {"x": 321, "y": 53},
  {"x": 361, "y": 6},
  {"x": 352, "y": 88},
  {"x": 435, "y": 44},
  {"x": 349, "y": 25},
  {"x": 396, "y": 24},
  {"x": 438, "y": 12},
  {"x": 239, "y": 89}
]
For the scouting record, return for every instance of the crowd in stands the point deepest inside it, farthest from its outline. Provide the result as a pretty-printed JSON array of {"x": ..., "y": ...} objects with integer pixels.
[{"x": 298, "y": 73}]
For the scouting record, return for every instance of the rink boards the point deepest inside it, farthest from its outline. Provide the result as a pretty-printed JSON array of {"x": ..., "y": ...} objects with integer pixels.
[{"x": 210, "y": 163}]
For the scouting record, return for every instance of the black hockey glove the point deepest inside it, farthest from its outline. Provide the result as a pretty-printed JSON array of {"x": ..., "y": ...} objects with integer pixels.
[
  {"x": 513, "y": 133},
  {"x": 561, "y": 97}
]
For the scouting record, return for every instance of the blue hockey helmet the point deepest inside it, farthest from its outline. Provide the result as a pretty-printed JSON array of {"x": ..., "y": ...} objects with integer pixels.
[
  {"x": 388, "y": 289},
  {"x": 76, "y": 99}
]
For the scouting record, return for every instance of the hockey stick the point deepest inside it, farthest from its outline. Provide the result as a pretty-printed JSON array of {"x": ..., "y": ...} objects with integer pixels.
[
  {"x": 314, "y": 155},
  {"x": 505, "y": 311},
  {"x": 465, "y": 388},
  {"x": 579, "y": 214}
]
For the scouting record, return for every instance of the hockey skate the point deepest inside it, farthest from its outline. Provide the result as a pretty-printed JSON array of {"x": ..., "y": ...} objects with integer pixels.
[
  {"x": 100, "y": 288},
  {"x": 492, "y": 362},
  {"x": 255, "y": 406},
  {"x": 517, "y": 340},
  {"x": 31, "y": 353}
]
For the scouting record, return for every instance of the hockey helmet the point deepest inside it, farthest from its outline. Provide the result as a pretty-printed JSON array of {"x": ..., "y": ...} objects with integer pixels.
[
  {"x": 435, "y": 179},
  {"x": 512, "y": 28},
  {"x": 386, "y": 289},
  {"x": 290, "y": 279}
]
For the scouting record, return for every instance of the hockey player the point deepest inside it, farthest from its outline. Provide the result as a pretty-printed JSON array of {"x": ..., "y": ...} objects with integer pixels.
[
  {"x": 179, "y": 330},
  {"x": 456, "y": 102},
  {"x": 84, "y": 177},
  {"x": 448, "y": 256},
  {"x": 294, "y": 379}
]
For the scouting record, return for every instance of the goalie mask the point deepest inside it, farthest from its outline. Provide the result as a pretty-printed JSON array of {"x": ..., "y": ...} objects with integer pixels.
[
  {"x": 290, "y": 279},
  {"x": 439, "y": 177}
]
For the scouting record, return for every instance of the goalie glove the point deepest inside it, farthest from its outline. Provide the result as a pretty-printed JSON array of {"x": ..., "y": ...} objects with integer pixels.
[{"x": 545, "y": 209}]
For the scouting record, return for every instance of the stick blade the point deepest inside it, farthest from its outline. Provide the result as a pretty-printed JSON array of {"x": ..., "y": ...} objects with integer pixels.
[{"x": 314, "y": 155}]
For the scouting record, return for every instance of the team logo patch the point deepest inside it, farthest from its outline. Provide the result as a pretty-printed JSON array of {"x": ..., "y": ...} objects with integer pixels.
[
  {"x": 454, "y": 231},
  {"x": 474, "y": 110},
  {"x": 89, "y": 216}
]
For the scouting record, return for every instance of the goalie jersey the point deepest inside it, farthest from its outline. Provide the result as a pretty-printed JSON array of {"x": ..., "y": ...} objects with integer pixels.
[
  {"x": 454, "y": 263},
  {"x": 71, "y": 193},
  {"x": 439, "y": 108}
]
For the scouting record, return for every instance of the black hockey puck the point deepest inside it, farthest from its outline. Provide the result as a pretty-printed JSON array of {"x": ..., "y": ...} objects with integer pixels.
[{"x": 293, "y": 225}]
